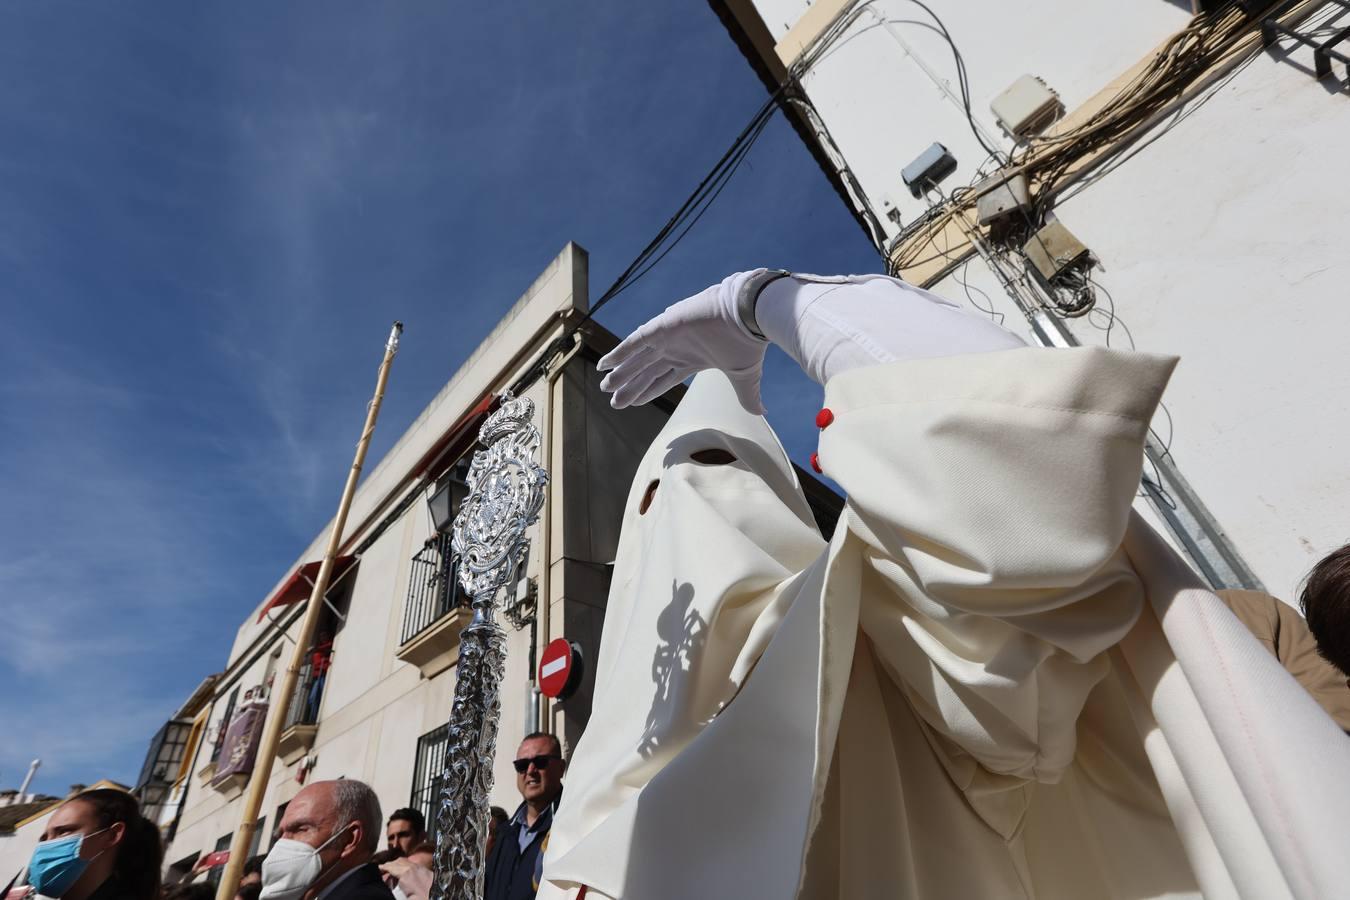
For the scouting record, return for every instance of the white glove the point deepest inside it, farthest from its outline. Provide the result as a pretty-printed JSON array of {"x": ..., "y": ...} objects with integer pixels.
[
  {"x": 827, "y": 325},
  {"x": 702, "y": 332}
]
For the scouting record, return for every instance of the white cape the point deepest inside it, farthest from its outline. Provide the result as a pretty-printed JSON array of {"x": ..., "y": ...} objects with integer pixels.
[{"x": 995, "y": 681}]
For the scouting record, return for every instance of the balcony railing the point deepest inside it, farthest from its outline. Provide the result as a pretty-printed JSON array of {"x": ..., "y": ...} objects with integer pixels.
[
  {"x": 304, "y": 709},
  {"x": 433, "y": 590}
]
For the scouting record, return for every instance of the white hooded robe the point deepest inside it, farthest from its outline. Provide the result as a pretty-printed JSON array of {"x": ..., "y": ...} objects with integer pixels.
[{"x": 995, "y": 680}]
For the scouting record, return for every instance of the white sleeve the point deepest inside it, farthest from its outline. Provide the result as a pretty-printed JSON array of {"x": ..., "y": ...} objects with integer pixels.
[
  {"x": 832, "y": 324},
  {"x": 991, "y": 494}
]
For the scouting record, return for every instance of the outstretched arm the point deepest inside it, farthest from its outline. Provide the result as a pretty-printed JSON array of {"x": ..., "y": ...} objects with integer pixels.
[{"x": 827, "y": 325}]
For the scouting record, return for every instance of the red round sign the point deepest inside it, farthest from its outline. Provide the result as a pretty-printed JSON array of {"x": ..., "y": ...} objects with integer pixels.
[{"x": 556, "y": 666}]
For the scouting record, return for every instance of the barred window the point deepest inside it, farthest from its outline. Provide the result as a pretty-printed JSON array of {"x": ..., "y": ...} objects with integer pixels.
[{"x": 428, "y": 772}]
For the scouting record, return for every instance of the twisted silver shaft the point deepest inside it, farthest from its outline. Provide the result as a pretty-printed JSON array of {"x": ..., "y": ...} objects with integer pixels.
[{"x": 506, "y": 492}]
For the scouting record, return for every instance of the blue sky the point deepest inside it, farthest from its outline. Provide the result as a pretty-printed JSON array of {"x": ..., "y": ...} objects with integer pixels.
[{"x": 210, "y": 214}]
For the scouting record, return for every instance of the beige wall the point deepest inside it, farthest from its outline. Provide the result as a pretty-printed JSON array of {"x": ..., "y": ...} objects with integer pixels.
[{"x": 375, "y": 707}]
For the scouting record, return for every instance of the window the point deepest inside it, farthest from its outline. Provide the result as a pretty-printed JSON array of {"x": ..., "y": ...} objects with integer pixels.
[
  {"x": 433, "y": 589},
  {"x": 213, "y": 876},
  {"x": 428, "y": 771},
  {"x": 163, "y": 761},
  {"x": 276, "y": 828},
  {"x": 166, "y": 753},
  {"x": 175, "y": 747},
  {"x": 181, "y": 869},
  {"x": 257, "y": 838}
]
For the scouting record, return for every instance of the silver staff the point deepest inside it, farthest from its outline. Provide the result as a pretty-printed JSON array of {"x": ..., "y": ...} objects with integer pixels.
[{"x": 506, "y": 491}]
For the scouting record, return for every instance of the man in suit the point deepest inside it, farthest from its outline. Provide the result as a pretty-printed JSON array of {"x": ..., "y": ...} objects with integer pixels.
[{"x": 329, "y": 833}]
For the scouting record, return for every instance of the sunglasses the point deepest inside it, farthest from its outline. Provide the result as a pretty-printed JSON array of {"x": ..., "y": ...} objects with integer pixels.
[{"x": 539, "y": 762}]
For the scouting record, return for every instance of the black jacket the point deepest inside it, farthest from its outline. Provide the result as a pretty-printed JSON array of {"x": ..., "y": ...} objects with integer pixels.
[
  {"x": 510, "y": 873},
  {"x": 363, "y": 884}
]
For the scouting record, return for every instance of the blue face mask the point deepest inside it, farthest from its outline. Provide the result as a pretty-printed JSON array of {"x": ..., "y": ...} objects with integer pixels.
[{"x": 56, "y": 864}]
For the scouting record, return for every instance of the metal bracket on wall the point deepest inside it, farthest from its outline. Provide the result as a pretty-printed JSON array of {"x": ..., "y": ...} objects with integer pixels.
[{"x": 1323, "y": 50}]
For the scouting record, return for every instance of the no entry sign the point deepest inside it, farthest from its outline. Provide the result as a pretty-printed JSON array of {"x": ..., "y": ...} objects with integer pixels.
[{"x": 560, "y": 669}]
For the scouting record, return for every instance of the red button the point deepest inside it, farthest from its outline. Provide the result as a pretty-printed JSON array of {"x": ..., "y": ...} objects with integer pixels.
[
  {"x": 824, "y": 418},
  {"x": 815, "y": 462}
]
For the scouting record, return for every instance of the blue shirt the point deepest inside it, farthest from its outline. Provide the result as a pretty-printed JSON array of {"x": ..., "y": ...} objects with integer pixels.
[{"x": 527, "y": 834}]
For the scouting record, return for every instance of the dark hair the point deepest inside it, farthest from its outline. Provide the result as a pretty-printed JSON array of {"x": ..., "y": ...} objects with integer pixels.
[
  {"x": 1326, "y": 606},
  {"x": 498, "y": 815},
  {"x": 198, "y": 891},
  {"x": 414, "y": 816},
  {"x": 139, "y": 855},
  {"x": 254, "y": 864},
  {"x": 380, "y": 857},
  {"x": 248, "y": 892},
  {"x": 557, "y": 744}
]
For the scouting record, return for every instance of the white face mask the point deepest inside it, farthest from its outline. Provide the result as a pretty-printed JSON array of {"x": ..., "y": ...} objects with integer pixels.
[{"x": 291, "y": 867}]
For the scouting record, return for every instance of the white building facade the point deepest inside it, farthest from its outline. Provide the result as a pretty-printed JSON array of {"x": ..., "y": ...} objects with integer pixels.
[{"x": 1218, "y": 221}]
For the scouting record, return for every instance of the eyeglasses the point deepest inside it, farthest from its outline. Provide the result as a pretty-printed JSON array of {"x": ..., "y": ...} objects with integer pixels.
[{"x": 539, "y": 762}]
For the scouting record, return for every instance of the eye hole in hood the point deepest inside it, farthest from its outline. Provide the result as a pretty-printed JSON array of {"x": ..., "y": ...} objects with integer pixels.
[
  {"x": 713, "y": 456},
  {"x": 647, "y": 496}
]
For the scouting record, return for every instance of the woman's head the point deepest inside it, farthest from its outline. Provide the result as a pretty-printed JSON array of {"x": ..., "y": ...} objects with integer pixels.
[{"x": 116, "y": 841}]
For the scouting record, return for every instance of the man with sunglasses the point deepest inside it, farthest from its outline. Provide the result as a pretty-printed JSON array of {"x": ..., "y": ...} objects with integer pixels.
[{"x": 513, "y": 865}]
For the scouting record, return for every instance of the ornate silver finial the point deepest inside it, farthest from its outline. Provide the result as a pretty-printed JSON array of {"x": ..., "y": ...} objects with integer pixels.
[{"x": 506, "y": 492}]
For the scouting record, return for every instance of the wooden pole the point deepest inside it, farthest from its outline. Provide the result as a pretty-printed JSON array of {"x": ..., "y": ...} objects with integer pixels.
[{"x": 281, "y": 699}]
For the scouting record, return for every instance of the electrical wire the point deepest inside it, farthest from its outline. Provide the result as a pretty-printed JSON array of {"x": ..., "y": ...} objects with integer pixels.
[
  {"x": 693, "y": 208},
  {"x": 1111, "y": 318},
  {"x": 962, "y": 81},
  {"x": 808, "y": 109},
  {"x": 1050, "y": 161},
  {"x": 962, "y": 278},
  {"x": 711, "y": 186},
  {"x": 670, "y": 235},
  {"x": 1182, "y": 60}
]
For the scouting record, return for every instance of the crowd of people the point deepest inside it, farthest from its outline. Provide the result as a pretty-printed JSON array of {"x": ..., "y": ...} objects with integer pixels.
[{"x": 98, "y": 846}]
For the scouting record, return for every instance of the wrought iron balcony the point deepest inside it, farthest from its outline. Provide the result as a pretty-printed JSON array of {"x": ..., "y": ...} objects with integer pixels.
[
  {"x": 432, "y": 589},
  {"x": 303, "y": 715},
  {"x": 304, "y": 708},
  {"x": 436, "y": 611}
]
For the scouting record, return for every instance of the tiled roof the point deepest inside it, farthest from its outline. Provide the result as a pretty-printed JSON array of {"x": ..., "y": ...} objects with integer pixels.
[{"x": 11, "y": 816}]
